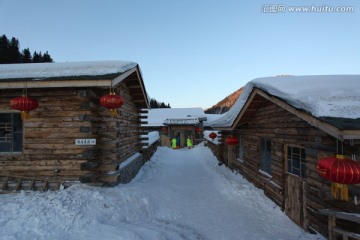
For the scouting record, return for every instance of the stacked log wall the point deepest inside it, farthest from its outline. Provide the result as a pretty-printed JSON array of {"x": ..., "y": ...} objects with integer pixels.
[
  {"x": 49, "y": 148},
  {"x": 63, "y": 115}
]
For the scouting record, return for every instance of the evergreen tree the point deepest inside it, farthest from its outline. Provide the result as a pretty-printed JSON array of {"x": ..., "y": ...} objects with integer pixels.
[
  {"x": 4, "y": 46},
  {"x": 46, "y": 57},
  {"x": 13, "y": 51},
  {"x": 37, "y": 57},
  {"x": 156, "y": 104},
  {"x": 26, "y": 56},
  {"x": 10, "y": 53}
]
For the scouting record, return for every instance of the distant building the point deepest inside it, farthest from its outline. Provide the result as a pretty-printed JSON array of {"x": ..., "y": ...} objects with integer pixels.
[{"x": 177, "y": 123}]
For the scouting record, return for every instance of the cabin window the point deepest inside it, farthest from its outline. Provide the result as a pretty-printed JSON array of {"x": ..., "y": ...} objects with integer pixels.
[
  {"x": 265, "y": 155},
  {"x": 296, "y": 160},
  {"x": 240, "y": 151},
  {"x": 11, "y": 133}
]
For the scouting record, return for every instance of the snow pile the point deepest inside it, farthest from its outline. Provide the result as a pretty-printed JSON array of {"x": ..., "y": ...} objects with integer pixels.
[
  {"x": 152, "y": 137},
  {"x": 321, "y": 96},
  {"x": 65, "y": 69},
  {"x": 179, "y": 194}
]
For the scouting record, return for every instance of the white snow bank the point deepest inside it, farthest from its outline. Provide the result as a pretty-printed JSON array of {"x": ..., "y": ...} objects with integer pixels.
[
  {"x": 152, "y": 138},
  {"x": 321, "y": 96},
  {"x": 47, "y": 70},
  {"x": 179, "y": 194}
]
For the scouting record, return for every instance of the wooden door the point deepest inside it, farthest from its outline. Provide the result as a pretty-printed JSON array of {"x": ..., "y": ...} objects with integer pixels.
[{"x": 295, "y": 199}]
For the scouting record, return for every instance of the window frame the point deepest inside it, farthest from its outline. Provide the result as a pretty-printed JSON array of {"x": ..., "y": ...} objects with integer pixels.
[
  {"x": 19, "y": 132},
  {"x": 267, "y": 168},
  {"x": 302, "y": 161},
  {"x": 240, "y": 149}
]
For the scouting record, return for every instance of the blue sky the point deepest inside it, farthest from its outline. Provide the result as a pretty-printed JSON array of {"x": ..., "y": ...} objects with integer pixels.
[{"x": 192, "y": 53}]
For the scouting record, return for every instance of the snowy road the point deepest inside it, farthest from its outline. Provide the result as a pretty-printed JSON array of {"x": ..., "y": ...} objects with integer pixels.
[{"x": 179, "y": 194}]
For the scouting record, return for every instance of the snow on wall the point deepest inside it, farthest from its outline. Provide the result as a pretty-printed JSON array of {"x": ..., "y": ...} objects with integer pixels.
[
  {"x": 216, "y": 140},
  {"x": 152, "y": 138},
  {"x": 48, "y": 70},
  {"x": 320, "y": 96}
]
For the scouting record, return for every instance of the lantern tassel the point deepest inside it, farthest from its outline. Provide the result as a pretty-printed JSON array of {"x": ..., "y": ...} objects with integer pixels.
[
  {"x": 25, "y": 115},
  {"x": 113, "y": 112},
  {"x": 342, "y": 189}
]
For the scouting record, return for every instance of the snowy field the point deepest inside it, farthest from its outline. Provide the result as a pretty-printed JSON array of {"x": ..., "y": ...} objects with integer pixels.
[{"x": 179, "y": 194}]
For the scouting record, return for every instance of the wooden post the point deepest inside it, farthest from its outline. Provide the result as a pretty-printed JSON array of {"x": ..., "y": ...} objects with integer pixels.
[{"x": 331, "y": 226}]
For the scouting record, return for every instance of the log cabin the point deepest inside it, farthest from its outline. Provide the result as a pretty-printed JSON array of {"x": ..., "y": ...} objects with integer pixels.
[
  {"x": 283, "y": 126},
  {"x": 71, "y": 136}
]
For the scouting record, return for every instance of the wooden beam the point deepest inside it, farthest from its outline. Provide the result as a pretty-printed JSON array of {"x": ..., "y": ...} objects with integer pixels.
[{"x": 354, "y": 217}]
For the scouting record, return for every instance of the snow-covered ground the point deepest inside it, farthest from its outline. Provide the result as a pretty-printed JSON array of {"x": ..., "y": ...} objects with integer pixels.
[{"x": 179, "y": 194}]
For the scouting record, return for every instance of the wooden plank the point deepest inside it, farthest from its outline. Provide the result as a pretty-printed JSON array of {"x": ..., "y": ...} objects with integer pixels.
[
  {"x": 45, "y": 186},
  {"x": 354, "y": 217},
  {"x": 18, "y": 184},
  {"x": 331, "y": 226},
  {"x": 32, "y": 184},
  {"x": 346, "y": 234}
]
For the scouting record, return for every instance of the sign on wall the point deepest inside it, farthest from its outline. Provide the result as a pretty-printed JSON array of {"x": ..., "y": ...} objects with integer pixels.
[{"x": 85, "y": 141}]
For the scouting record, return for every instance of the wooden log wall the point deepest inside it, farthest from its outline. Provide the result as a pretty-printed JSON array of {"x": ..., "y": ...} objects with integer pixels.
[
  {"x": 64, "y": 115},
  {"x": 284, "y": 129}
]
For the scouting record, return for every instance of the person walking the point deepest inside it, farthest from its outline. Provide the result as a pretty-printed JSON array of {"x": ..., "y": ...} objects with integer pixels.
[{"x": 189, "y": 143}]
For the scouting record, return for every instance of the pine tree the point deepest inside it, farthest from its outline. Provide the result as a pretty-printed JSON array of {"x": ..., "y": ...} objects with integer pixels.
[
  {"x": 26, "y": 56},
  {"x": 13, "y": 51},
  {"x": 4, "y": 46},
  {"x": 37, "y": 57},
  {"x": 10, "y": 53},
  {"x": 46, "y": 57}
]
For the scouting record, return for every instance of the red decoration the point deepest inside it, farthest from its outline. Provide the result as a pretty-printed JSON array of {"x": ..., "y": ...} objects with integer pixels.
[
  {"x": 341, "y": 171},
  {"x": 198, "y": 130},
  {"x": 25, "y": 105},
  {"x": 165, "y": 129},
  {"x": 231, "y": 140},
  {"x": 111, "y": 102},
  {"x": 212, "y": 135}
]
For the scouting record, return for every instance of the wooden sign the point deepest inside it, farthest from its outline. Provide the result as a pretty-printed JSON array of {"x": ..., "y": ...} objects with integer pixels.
[{"x": 85, "y": 141}]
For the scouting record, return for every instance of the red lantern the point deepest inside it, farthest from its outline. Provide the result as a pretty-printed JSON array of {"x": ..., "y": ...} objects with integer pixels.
[
  {"x": 164, "y": 129},
  {"x": 341, "y": 171},
  {"x": 25, "y": 105},
  {"x": 212, "y": 135},
  {"x": 111, "y": 102},
  {"x": 198, "y": 130},
  {"x": 231, "y": 140}
]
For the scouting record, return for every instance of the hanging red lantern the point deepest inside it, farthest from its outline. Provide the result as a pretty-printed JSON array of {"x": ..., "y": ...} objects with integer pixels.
[
  {"x": 212, "y": 135},
  {"x": 164, "y": 129},
  {"x": 112, "y": 102},
  {"x": 24, "y": 104},
  {"x": 341, "y": 171},
  {"x": 231, "y": 140},
  {"x": 198, "y": 130}
]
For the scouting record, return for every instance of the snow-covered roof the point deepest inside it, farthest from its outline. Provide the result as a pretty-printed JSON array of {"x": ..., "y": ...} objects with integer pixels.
[
  {"x": 157, "y": 116},
  {"x": 39, "y": 71},
  {"x": 182, "y": 121},
  {"x": 335, "y": 96}
]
